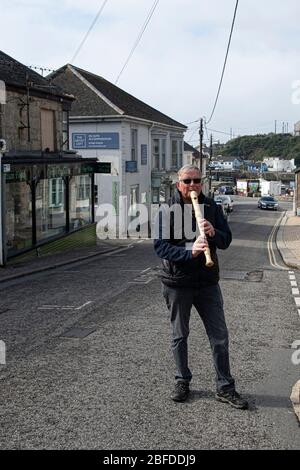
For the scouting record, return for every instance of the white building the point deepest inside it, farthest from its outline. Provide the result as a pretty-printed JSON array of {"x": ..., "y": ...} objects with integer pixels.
[
  {"x": 140, "y": 147},
  {"x": 277, "y": 164},
  {"x": 297, "y": 128}
]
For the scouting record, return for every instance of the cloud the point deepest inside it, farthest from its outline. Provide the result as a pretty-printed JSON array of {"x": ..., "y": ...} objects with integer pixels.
[{"x": 177, "y": 65}]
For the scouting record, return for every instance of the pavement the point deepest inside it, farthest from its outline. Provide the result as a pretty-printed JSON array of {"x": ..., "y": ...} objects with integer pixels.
[
  {"x": 287, "y": 240},
  {"x": 18, "y": 267}
]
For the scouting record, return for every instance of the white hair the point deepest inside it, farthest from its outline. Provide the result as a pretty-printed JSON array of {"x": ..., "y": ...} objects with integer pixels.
[{"x": 186, "y": 168}]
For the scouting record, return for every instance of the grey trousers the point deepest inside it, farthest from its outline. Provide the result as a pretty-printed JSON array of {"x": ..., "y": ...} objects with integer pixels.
[{"x": 208, "y": 301}]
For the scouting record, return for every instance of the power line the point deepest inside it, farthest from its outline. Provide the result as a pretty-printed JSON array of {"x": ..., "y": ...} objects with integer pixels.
[
  {"x": 222, "y": 75},
  {"x": 219, "y": 132},
  {"x": 89, "y": 30},
  {"x": 148, "y": 18}
]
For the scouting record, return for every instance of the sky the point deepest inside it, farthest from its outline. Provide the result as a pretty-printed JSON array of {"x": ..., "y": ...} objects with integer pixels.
[{"x": 176, "y": 67}]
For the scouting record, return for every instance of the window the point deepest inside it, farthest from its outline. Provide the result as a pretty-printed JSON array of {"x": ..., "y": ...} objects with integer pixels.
[
  {"x": 163, "y": 154},
  {"x": 56, "y": 192},
  {"x": 83, "y": 187},
  {"x": 80, "y": 201},
  {"x": 65, "y": 129},
  {"x": 134, "y": 199},
  {"x": 159, "y": 154},
  {"x": 48, "y": 130},
  {"x": 177, "y": 151},
  {"x": 174, "y": 154},
  {"x": 50, "y": 208},
  {"x": 134, "y": 144},
  {"x": 156, "y": 154}
]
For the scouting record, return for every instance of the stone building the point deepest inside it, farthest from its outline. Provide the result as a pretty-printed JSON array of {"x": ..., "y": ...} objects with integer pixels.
[{"x": 47, "y": 191}]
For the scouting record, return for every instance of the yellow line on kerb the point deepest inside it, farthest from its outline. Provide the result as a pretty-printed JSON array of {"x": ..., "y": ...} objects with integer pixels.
[{"x": 272, "y": 257}]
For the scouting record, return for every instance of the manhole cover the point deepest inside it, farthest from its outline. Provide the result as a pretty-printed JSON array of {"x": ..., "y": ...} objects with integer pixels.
[
  {"x": 78, "y": 332},
  {"x": 250, "y": 276}
]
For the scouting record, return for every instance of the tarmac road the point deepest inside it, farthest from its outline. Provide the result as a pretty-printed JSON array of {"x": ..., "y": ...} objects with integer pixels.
[{"x": 110, "y": 389}]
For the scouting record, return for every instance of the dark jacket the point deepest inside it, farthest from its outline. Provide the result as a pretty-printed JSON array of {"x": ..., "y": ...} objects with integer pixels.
[{"x": 179, "y": 266}]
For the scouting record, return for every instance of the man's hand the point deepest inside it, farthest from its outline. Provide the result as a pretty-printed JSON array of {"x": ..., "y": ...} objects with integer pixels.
[
  {"x": 208, "y": 228},
  {"x": 199, "y": 246}
]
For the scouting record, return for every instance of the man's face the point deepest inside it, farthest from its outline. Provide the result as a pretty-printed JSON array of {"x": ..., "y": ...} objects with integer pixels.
[{"x": 186, "y": 187}]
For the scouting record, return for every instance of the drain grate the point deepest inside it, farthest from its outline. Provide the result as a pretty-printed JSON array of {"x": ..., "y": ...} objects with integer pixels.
[
  {"x": 250, "y": 276},
  {"x": 78, "y": 332}
]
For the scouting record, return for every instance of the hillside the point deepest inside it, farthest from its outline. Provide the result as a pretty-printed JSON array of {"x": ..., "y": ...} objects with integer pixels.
[{"x": 257, "y": 147}]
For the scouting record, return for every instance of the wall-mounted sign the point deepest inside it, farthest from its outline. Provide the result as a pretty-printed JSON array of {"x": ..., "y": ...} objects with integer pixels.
[
  {"x": 95, "y": 140},
  {"x": 143, "y": 154},
  {"x": 97, "y": 167}
]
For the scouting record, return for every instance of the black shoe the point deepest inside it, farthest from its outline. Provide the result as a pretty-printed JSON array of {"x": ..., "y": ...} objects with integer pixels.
[
  {"x": 181, "y": 391},
  {"x": 233, "y": 398}
]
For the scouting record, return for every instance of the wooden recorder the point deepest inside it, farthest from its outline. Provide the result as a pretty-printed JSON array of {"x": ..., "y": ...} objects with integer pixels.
[{"x": 198, "y": 214}]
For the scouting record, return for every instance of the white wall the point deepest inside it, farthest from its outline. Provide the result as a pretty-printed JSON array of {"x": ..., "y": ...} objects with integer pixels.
[
  {"x": 113, "y": 156},
  {"x": 143, "y": 176},
  {"x": 118, "y": 177}
]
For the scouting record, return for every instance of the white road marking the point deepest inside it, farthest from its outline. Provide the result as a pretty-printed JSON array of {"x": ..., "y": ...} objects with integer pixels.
[
  {"x": 295, "y": 291},
  {"x": 294, "y": 283},
  {"x": 84, "y": 305},
  {"x": 291, "y": 272},
  {"x": 64, "y": 307},
  {"x": 292, "y": 278},
  {"x": 297, "y": 301},
  {"x": 57, "y": 306}
]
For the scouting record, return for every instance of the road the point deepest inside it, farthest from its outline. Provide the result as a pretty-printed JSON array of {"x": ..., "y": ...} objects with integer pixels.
[{"x": 110, "y": 389}]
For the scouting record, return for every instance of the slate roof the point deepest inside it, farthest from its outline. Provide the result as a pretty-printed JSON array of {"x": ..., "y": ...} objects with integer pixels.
[
  {"x": 189, "y": 148},
  {"x": 89, "y": 104},
  {"x": 14, "y": 74}
]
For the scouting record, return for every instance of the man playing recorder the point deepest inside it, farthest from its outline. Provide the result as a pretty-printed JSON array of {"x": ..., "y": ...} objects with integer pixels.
[{"x": 187, "y": 281}]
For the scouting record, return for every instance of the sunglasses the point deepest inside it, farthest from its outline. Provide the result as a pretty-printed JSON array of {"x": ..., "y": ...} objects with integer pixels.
[{"x": 189, "y": 180}]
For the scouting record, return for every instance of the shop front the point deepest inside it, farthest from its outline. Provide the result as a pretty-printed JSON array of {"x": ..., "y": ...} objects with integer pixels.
[{"x": 44, "y": 200}]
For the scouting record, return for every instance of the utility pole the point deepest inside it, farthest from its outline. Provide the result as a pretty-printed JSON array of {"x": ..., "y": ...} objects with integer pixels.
[
  {"x": 275, "y": 126},
  {"x": 201, "y": 141},
  {"x": 210, "y": 159}
]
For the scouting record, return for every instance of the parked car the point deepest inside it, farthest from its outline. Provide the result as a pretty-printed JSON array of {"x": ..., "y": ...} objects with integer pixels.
[
  {"x": 229, "y": 190},
  {"x": 267, "y": 202},
  {"x": 219, "y": 202},
  {"x": 228, "y": 203}
]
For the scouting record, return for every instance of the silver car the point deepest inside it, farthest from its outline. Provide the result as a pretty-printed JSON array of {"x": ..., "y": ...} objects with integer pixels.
[{"x": 226, "y": 202}]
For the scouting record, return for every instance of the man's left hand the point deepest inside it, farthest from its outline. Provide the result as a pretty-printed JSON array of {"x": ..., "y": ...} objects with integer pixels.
[{"x": 208, "y": 228}]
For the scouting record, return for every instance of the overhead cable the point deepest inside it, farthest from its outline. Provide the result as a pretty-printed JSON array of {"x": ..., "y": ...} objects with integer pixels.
[
  {"x": 88, "y": 32},
  {"x": 223, "y": 70},
  {"x": 148, "y": 18}
]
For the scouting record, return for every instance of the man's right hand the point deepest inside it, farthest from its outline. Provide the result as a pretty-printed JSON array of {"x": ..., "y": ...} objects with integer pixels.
[{"x": 199, "y": 246}]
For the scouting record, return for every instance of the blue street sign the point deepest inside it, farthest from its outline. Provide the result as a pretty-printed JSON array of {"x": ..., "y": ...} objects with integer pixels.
[{"x": 95, "y": 140}]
